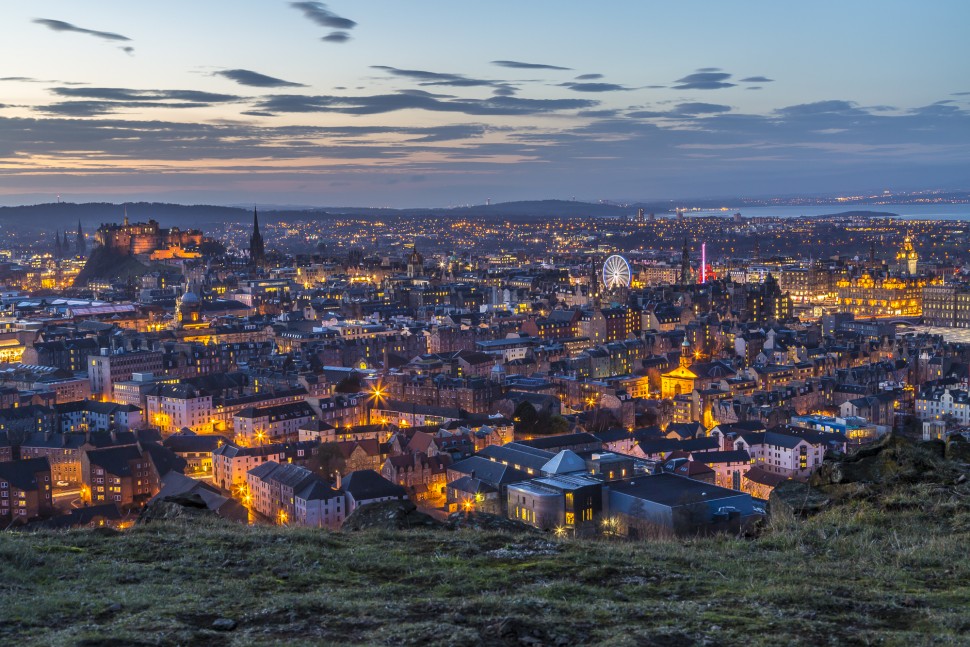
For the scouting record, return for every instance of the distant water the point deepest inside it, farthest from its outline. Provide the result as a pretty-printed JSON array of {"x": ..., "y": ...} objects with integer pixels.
[{"x": 908, "y": 211}]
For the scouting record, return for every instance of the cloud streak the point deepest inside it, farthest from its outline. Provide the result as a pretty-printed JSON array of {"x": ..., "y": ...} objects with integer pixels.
[
  {"x": 318, "y": 13},
  {"x": 384, "y": 103},
  {"x": 594, "y": 87},
  {"x": 519, "y": 65},
  {"x": 60, "y": 25},
  {"x": 255, "y": 79},
  {"x": 706, "y": 79}
]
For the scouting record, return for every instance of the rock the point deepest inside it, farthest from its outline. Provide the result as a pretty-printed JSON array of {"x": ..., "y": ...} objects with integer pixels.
[
  {"x": 797, "y": 499},
  {"x": 223, "y": 624},
  {"x": 114, "y": 607},
  {"x": 389, "y": 515},
  {"x": 892, "y": 458},
  {"x": 174, "y": 507},
  {"x": 485, "y": 521}
]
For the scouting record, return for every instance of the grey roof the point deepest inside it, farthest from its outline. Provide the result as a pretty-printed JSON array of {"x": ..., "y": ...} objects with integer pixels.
[
  {"x": 565, "y": 462},
  {"x": 516, "y": 454},
  {"x": 728, "y": 456},
  {"x": 488, "y": 471},
  {"x": 705, "y": 443},
  {"x": 471, "y": 485},
  {"x": 115, "y": 460},
  {"x": 318, "y": 490},
  {"x": 672, "y": 490},
  {"x": 368, "y": 484},
  {"x": 23, "y": 474}
]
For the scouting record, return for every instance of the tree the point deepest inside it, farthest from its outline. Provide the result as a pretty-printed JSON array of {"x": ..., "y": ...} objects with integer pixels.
[
  {"x": 327, "y": 460},
  {"x": 525, "y": 419},
  {"x": 350, "y": 384},
  {"x": 212, "y": 248}
]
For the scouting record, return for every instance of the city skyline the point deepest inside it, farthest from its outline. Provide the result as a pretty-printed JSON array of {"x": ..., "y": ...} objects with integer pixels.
[{"x": 440, "y": 104}]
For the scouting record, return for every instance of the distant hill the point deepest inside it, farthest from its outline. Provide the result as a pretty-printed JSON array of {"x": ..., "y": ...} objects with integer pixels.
[{"x": 65, "y": 215}]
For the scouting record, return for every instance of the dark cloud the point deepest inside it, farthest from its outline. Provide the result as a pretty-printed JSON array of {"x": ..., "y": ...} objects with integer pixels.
[
  {"x": 127, "y": 49},
  {"x": 257, "y": 113},
  {"x": 504, "y": 91},
  {"x": 383, "y": 103},
  {"x": 317, "y": 12},
  {"x": 704, "y": 80},
  {"x": 519, "y": 65},
  {"x": 257, "y": 80},
  {"x": 754, "y": 87},
  {"x": 589, "y": 77},
  {"x": 960, "y": 94},
  {"x": 95, "y": 108},
  {"x": 593, "y": 87},
  {"x": 99, "y": 101},
  {"x": 126, "y": 94},
  {"x": 60, "y": 25},
  {"x": 336, "y": 37},
  {"x": 757, "y": 79},
  {"x": 708, "y": 69}
]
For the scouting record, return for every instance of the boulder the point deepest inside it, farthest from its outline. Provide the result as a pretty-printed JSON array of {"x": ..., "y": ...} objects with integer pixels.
[
  {"x": 892, "y": 458},
  {"x": 485, "y": 521},
  {"x": 797, "y": 499},
  {"x": 179, "y": 506},
  {"x": 389, "y": 515}
]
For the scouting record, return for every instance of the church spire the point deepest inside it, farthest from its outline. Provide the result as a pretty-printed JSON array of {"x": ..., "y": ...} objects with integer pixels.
[
  {"x": 58, "y": 250},
  {"x": 257, "y": 251},
  {"x": 80, "y": 244}
]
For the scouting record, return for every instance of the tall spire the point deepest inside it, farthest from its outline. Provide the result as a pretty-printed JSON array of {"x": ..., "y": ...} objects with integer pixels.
[
  {"x": 58, "y": 251},
  {"x": 80, "y": 244},
  {"x": 257, "y": 251}
]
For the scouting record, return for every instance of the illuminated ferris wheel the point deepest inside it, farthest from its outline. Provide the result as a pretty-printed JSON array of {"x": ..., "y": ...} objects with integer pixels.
[{"x": 616, "y": 273}]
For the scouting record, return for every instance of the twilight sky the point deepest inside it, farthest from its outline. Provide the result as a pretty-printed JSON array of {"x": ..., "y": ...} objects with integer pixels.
[{"x": 442, "y": 102}]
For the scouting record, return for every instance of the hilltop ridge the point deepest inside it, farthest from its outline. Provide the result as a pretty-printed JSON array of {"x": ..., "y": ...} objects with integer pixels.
[{"x": 882, "y": 562}]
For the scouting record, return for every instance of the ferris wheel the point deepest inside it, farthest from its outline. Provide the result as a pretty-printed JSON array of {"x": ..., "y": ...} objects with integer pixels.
[{"x": 616, "y": 273}]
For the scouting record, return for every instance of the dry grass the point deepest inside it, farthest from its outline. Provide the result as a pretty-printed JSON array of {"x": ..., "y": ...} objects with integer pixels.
[{"x": 887, "y": 571}]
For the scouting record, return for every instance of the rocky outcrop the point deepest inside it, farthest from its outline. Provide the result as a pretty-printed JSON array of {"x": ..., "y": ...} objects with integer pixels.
[
  {"x": 874, "y": 472},
  {"x": 891, "y": 459},
  {"x": 793, "y": 498},
  {"x": 485, "y": 521},
  {"x": 180, "y": 506},
  {"x": 389, "y": 515}
]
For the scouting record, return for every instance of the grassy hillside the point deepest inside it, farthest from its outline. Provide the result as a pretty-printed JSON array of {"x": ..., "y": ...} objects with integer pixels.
[{"x": 887, "y": 569}]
